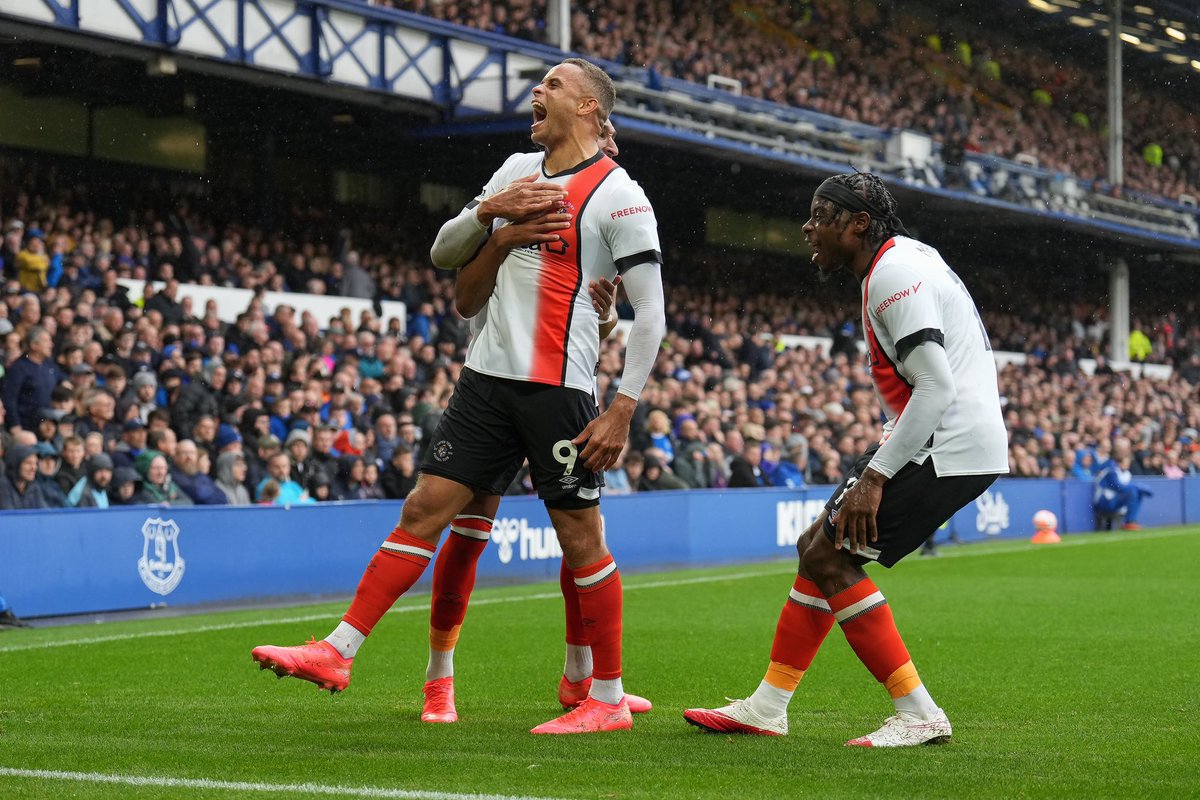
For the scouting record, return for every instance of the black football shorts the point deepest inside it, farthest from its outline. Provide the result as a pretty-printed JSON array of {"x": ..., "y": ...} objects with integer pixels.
[
  {"x": 493, "y": 424},
  {"x": 916, "y": 502}
]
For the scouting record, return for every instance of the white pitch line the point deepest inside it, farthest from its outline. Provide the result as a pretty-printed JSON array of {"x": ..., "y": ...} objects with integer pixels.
[
  {"x": 245, "y": 786},
  {"x": 968, "y": 551},
  {"x": 1071, "y": 540},
  {"x": 256, "y": 623}
]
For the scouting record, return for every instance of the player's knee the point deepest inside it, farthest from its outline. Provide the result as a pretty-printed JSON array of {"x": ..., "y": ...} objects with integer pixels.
[
  {"x": 482, "y": 505},
  {"x": 803, "y": 543},
  {"x": 579, "y": 534},
  {"x": 820, "y": 559},
  {"x": 576, "y": 537},
  {"x": 809, "y": 561},
  {"x": 422, "y": 515},
  {"x": 806, "y": 539}
]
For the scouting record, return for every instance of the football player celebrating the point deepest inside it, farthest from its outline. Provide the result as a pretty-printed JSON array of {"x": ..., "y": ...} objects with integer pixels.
[
  {"x": 527, "y": 389},
  {"x": 943, "y": 444},
  {"x": 455, "y": 566}
]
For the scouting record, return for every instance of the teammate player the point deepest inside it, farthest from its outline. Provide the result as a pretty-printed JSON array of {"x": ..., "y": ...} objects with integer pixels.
[
  {"x": 526, "y": 391},
  {"x": 943, "y": 444},
  {"x": 455, "y": 566}
]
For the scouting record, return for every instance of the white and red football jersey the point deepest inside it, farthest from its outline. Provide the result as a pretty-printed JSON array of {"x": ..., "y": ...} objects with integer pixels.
[
  {"x": 539, "y": 324},
  {"x": 911, "y": 296}
]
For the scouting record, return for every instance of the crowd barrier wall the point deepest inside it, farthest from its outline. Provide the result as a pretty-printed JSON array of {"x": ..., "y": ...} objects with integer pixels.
[
  {"x": 232, "y": 302},
  {"x": 80, "y": 561},
  {"x": 824, "y": 344}
]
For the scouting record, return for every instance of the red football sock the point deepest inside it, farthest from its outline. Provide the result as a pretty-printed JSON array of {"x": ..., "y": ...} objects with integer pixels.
[
  {"x": 867, "y": 622},
  {"x": 392, "y": 572},
  {"x": 803, "y": 625},
  {"x": 599, "y": 587},
  {"x": 576, "y": 633},
  {"x": 454, "y": 576}
]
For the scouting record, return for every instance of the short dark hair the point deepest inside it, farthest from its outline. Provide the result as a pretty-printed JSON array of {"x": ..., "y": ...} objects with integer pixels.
[{"x": 600, "y": 84}]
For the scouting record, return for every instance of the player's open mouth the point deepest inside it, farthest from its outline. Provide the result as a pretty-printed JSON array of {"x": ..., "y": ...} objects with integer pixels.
[{"x": 539, "y": 114}]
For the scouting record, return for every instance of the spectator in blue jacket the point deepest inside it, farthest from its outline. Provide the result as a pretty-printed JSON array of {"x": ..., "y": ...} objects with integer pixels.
[
  {"x": 279, "y": 469},
  {"x": 790, "y": 472},
  {"x": 1115, "y": 492},
  {"x": 771, "y": 462},
  {"x": 133, "y": 442},
  {"x": 30, "y": 380},
  {"x": 1084, "y": 467},
  {"x": 658, "y": 429},
  {"x": 92, "y": 490},
  {"x": 369, "y": 365},
  {"x": 192, "y": 479}
]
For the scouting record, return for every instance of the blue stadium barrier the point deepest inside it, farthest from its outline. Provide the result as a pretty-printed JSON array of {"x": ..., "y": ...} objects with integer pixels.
[{"x": 80, "y": 561}]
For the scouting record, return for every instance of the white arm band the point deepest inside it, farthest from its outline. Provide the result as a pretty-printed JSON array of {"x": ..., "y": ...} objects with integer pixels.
[
  {"x": 643, "y": 287},
  {"x": 933, "y": 392},
  {"x": 458, "y": 240}
]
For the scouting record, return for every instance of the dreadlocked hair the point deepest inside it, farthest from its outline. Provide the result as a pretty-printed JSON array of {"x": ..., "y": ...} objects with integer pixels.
[{"x": 871, "y": 187}]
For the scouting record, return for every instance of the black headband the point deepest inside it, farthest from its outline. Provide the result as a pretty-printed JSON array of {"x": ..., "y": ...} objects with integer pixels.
[{"x": 847, "y": 198}]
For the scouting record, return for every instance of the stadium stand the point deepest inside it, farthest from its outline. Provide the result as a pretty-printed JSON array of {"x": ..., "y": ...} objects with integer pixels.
[
  {"x": 973, "y": 89},
  {"x": 325, "y": 409}
]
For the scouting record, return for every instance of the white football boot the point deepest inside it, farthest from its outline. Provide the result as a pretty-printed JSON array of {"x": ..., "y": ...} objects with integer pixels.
[
  {"x": 906, "y": 730},
  {"x": 737, "y": 717}
]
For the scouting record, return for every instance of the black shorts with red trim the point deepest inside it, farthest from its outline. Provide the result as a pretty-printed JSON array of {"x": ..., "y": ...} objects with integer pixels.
[
  {"x": 493, "y": 424},
  {"x": 916, "y": 502}
]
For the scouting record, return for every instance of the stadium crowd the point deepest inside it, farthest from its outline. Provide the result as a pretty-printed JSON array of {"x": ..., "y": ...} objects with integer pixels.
[
  {"x": 971, "y": 87},
  {"x": 110, "y": 399}
]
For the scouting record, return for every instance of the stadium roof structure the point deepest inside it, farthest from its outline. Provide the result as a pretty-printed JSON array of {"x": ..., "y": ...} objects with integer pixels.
[
  {"x": 1163, "y": 35},
  {"x": 476, "y": 81}
]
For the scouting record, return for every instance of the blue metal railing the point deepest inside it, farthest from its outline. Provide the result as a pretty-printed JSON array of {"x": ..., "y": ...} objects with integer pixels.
[{"x": 468, "y": 74}]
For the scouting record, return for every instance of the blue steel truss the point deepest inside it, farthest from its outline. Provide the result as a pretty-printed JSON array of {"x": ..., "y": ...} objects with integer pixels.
[
  {"x": 473, "y": 78},
  {"x": 462, "y": 73}
]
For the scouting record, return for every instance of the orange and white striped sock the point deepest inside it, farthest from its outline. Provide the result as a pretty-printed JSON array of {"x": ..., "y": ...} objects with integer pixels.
[
  {"x": 909, "y": 695},
  {"x": 400, "y": 562},
  {"x": 803, "y": 625},
  {"x": 600, "y": 604},
  {"x": 453, "y": 582},
  {"x": 867, "y": 622}
]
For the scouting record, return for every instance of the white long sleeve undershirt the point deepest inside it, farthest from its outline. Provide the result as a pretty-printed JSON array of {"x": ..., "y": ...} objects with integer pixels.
[
  {"x": 643, "y": 287},
  {"x": 458, "y": 240},
  {"x": 933, "y": 392}
]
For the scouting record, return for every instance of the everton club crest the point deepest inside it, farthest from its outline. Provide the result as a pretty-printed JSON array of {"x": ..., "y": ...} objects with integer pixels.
[{"x": 161, "y": 566}]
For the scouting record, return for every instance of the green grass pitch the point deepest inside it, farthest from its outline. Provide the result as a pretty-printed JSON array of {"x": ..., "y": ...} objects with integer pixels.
[{"x": 1067, "y": 671}]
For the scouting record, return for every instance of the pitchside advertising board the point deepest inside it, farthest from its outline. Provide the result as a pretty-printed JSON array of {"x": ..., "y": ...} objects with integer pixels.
[{"x": 79, "y": 561}]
